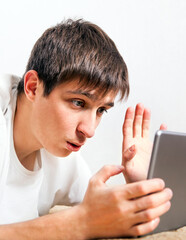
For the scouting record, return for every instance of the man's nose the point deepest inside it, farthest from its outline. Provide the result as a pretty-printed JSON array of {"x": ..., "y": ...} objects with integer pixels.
[{"x": 87, "y": 126}]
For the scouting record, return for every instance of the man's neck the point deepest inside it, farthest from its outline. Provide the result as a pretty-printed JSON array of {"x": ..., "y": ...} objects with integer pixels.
[{"x": 24, "y": 142}]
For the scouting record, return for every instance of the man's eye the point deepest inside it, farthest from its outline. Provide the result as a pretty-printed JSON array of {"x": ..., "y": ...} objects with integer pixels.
[
  {"x": 78, "y": 103},
  {"x": 102, "y": 110}
]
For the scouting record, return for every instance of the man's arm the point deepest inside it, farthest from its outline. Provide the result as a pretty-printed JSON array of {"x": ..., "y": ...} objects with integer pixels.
[
  {"x": 60, "y": 225},
  {"x": 106, "y": 211}
]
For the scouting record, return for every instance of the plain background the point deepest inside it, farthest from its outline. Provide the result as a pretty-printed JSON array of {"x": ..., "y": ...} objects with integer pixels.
[{"x": 151, "y": 37}]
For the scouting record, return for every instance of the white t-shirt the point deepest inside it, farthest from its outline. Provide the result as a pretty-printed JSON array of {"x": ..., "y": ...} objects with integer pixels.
[{"x": 28, "y": 194}]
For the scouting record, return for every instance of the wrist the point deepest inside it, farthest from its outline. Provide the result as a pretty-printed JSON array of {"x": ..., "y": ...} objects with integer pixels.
[{"x": 72, "y": 223}]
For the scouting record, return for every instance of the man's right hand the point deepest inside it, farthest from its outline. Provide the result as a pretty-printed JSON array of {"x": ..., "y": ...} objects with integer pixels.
[
  {"x": 125, "y": 210},
  {"x": 106, "y": 211}
]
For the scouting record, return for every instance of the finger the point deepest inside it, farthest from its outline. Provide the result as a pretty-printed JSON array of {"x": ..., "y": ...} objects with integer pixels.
[
  {"x": 137, "y": 126},
  {"x": 128, "y": 123},
  {"x": 129, "y": 154},
  {"x": 154, "y": 200},
  {"x": 153, "y": 213},
  {"x": 106, "y": 172},
  {"x": 146, "y": 123},
  {"x": 142, "y": 188},
  {"x": 144, "y": 228},
  {"x": 163, "y": 126}
]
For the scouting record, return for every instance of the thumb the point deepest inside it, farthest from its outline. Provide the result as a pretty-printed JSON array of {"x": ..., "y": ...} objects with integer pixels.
[
  {"x": 129, "y": 154},
  {"x": 106, "y": 172}
]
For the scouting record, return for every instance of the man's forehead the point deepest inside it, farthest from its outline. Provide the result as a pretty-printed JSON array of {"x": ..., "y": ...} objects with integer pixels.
[{"x": 95, "y": 94}]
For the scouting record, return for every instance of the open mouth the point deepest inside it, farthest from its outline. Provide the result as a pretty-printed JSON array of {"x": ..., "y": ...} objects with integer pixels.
[{"x": 73, "y": 147}]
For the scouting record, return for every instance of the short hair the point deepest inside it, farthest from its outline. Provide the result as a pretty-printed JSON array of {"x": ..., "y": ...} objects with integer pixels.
[{"x": 77, "y": 48}]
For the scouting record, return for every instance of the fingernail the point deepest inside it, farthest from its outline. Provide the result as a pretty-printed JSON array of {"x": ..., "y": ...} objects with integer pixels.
[
  {"x": 155, "y": 221},
  {"x": 169, "y": 191},
  {"x": 120, "y": 167}
]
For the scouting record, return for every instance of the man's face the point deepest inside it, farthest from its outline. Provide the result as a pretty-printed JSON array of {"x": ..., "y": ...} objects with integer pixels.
[{"x": 67, "y": 117}]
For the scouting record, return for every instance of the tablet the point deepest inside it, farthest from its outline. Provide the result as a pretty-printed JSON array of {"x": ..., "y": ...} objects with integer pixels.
[{"x": 168, "y": 162}]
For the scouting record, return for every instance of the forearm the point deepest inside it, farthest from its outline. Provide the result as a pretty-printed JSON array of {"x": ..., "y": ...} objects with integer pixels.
[{"x": 65, "y": 225}]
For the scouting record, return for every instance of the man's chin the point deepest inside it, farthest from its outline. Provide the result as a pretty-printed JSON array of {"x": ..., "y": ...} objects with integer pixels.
[
  {"x": 64, "y": 153},
  {"x": 60, "y": 153}
]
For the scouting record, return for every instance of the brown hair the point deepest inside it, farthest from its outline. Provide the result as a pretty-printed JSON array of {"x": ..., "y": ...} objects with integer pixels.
[{"x": 80, "y": 49}]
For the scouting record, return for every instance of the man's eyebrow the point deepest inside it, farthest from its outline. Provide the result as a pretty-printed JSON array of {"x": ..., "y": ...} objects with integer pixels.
[
  {"x": 93, "y": 97},
  {"x": 87, "y": 94},
  {"x": 110, "y": 104}
]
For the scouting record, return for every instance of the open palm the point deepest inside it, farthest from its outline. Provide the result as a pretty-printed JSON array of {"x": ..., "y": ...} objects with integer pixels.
[{"x": 137, "y": 146}]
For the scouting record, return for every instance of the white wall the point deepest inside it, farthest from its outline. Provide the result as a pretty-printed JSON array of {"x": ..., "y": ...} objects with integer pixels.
[{"x": 151, "y": 36}]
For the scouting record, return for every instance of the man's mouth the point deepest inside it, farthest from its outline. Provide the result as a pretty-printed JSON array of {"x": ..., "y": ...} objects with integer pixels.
[{"x": 73, "y": 146}]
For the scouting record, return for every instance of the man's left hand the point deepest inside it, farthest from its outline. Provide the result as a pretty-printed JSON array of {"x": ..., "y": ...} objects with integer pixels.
[{"x": 137, "y": 146}]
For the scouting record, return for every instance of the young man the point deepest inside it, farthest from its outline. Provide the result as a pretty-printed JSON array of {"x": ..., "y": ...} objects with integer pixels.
[{"x": 73, "y": 76}]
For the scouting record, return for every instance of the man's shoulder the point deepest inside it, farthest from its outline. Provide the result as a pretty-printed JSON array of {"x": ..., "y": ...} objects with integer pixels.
[{"x": 7, "y": 84}]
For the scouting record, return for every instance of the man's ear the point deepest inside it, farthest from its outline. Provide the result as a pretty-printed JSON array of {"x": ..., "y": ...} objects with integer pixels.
[{"x": 31, "y": 83}]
